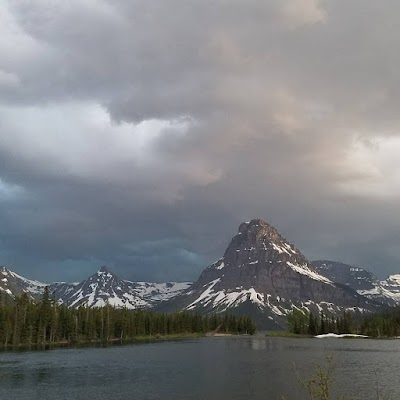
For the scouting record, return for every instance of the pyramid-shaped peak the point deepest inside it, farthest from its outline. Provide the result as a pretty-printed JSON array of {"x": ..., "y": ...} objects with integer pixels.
[
  {"x": 105, "y": 270},
  {"x": 5, "y": 271},
  {"x": 258, "y": 225},
  {"x": 253, "y": 223}
]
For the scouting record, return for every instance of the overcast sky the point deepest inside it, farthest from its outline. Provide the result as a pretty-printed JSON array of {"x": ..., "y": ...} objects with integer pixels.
[{"x": 139, "y": 134}]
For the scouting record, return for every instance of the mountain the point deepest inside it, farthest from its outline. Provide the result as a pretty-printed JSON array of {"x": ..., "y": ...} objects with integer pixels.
[
  {"x": 390, "y": 287},
  {"x": 100, "y": 289},
  {"x": 263, "y": 275},
  {"x": 12, "y": 285},
  {"x": 357, "y": 278},
  {"x": 103, "y": 287},
  {"x": 386, "y": 291}
]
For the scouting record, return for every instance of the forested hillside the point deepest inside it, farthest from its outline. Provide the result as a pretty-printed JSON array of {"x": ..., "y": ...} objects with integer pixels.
[{"x": 24, "y": 322}]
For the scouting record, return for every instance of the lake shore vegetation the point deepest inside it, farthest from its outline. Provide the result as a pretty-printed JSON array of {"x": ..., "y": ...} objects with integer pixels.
[{"x": 24, "y": 322}]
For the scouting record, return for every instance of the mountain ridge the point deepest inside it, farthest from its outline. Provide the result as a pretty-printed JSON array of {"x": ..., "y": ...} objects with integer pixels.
[
  {"x": 386, "y": 291},
  {"x": 101, "y": 288}
]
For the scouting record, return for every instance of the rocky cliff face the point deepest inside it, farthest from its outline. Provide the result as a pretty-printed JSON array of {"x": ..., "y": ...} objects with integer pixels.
[
  {"x": 386, "y": 292},
  {"x": 355, "y": 277},
  {"x": 264, "y": 275}
]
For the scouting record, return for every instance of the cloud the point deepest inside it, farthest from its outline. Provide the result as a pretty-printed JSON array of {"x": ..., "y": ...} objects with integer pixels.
[
  {"x": 129, "y": 123},
  {"x": 298, "y": 13},
  {"x": 9, "y": 192}
]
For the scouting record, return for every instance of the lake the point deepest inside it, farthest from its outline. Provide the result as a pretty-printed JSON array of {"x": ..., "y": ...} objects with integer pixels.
[{"x": 225, "y": 368}]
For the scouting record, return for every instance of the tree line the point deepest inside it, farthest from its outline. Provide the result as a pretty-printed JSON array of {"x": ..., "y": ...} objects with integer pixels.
[
  {"x": 303, "y": 322},
  {"x": 381, "y": 324},
  {"x": 25, "y": 322},
  {"x": 384, "y": 324}
]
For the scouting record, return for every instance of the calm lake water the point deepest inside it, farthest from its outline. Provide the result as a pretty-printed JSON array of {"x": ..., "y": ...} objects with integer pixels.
[{"x": 230, "y": 368}]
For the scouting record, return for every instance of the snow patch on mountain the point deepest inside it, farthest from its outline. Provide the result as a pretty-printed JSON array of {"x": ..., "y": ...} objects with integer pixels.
[
  {"x": 155, "y": 292},
  {"x": 106, "y": 288},
  {"x": 15, "y": 285},
  {"x": 305, "y": 270},
  {"x": 222, "y": 300}
]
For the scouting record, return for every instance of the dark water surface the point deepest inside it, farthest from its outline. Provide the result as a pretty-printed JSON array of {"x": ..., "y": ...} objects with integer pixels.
[{"x": 230, "y": 368}]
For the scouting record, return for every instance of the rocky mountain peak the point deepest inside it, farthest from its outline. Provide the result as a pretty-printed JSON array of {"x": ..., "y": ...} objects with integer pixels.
[
  {"x": 259, "y": 227},
  {"x": 104, "y": 279},
  {"x": 106, "y": 288},
  {"x": 15, "y": 285},
  {"x": 104, "y": 270},
  {"x": 256, "y": 239},
  {"x": 264, "y": 275}
]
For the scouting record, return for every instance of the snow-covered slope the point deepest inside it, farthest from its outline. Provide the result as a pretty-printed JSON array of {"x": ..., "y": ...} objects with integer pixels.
[
  {"x": 103, "y": 287},
  {"x": 13, "y": 285},
  {"x": 391, "y": 287},
  {"x": 263, "y": 275},
  {"x": 159, "y": 292},
  {"x": 100, "y": 289},
  {"x": 106, "y": 288}
]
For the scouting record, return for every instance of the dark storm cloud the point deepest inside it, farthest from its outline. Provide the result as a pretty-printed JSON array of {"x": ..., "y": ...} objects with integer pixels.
[{"x": 140, "y": 134}]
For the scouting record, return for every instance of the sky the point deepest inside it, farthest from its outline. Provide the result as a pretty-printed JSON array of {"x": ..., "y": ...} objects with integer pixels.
[{"x": 140, "y": 134}]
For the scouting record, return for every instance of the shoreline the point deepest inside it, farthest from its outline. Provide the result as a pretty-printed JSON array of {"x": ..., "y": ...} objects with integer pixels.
[
  {"x": 99, "y": 343},
  {"x": 110, "y": 342},
  {"x": 283, "y": 334},
  {"x": 211, "y": 334}
]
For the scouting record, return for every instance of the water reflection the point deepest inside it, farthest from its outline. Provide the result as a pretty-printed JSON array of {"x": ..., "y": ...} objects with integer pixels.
[
  {"x": 42, "y": 374},
  {"x": 18, "y": 378},
  {"x": 223, "y": 368},
  {"x": 259, "y": 344}
]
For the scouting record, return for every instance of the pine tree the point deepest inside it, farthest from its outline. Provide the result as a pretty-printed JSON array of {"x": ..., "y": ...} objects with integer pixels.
[
  {"x": 312, "y": 327},
  {"x": 322, "y": 327}
]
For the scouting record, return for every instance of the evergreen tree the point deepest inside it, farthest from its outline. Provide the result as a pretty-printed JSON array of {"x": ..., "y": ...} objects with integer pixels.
[
  {"x": 312, "y": 327},
  {"x": 322, "y": 327}
]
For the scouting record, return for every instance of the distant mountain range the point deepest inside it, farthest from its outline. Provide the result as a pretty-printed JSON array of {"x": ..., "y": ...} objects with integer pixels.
[
  {"x": 260, "y": 274},
  {"x": 104, "y": 287}
]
